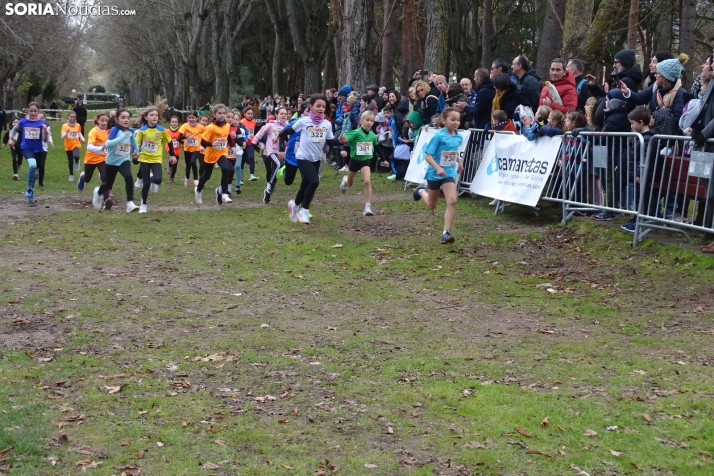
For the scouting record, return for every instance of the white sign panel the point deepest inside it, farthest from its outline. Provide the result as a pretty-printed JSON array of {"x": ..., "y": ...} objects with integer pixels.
[
  {"x": 515, "y": 169},
  {"x": 417, "y": 162}
]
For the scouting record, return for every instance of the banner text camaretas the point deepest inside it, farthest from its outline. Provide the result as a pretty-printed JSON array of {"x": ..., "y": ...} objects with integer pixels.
[{"x": 515, "y": 169}]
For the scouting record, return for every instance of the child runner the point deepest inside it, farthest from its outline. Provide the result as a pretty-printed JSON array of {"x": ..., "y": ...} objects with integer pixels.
[
  {"x": 121, "y": 147},
  {"x": 241, "y": 137},
  {"x": 173, "y": 132},
  {"x": 72, "y": 135},
  {"x": 289, "y": 168},
  {"x": 249, "y": 150},
  {"x": 42, "y": 157},
  {"x": 362, "y": 146},
  {"x": 216, "y": 139},
  {"x": 31, "y": 130},
  {"x": 443, "y": 147},
  {"x": 271, "y": 152},
  {"x": 231, "y": 156},
  {"x": 190, "y": 135},
  {"x": 315, "y": 131},
  {"x": 96, "y": 154},
  {"x": 15, "y": 150},
  {"x": 151, "y": 138}
]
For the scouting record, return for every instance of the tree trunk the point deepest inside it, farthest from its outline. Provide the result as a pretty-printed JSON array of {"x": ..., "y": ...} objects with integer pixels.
[
  {"x": 217, "y": 38},
  {"x": 358, "y": 21},
  {"x": 633, "y": 20},
  {"x": 386, "y": 76},
  {"x": 276, "y": 11},
  {"x": 436, "y": 37},
  {"x": 487, "y": 34},
  {"x": 608, "y": 15},
  {"x": 686, "y": 33},
  {"x": 578, "y": 18},
  {"x": 551, "y": 41},
  {"x": 411, "y": 46}
]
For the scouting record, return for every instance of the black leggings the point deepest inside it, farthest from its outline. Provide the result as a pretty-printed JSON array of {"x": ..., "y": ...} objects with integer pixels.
[
  {"x": 190, "y": 159},
  {"x": 16, "y": 159},
  {"x": 41, "y": 158},
  {"x": 232, "y": 173},
  {"x": 289, "y": 174},
  {"x": 310, "y": 172},
  {"x": 272, "y": 164},
  {"x": 89, "y": 170},
  {"x": 146, "y": 170},
  {"x": 249, "y": 157},
  {"x": 112, "y": 170},
  {"x": 72, "y": 159},
  {"x": 208, "y": 171}
]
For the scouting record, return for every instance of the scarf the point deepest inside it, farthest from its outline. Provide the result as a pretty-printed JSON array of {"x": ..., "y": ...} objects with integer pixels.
[
  {"x": 192, "y": 124},
  {"x": 317, "y": 120},
  {"x": 280, "y": 123},
  {"x": 496, "y": 105},
  {"x": 500, "y": 125},
  {"x": 219, "y": 123},
  {"x": 74, "y": 123},
  {"x": 668, "y": 99}
]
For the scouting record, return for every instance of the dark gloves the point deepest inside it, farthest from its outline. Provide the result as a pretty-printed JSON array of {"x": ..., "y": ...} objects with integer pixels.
[{"x": 698, "y": 138}]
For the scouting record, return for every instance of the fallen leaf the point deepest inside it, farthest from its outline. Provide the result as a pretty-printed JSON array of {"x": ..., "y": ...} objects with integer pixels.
[
  {"x": 112, "y": 388},
  {"x": 283, "y": 420},
  {"x": 370, "y": 466},
  {"x": 580, "y": 472},
  {"x": 390, "y": 430},
  {"x": 546, "y": 331},
  {"x": 522, "y": 431},
  {"x": 545, "y": 422},
  {"x": 159, "y": 444},
  {"x": 536, "y": 452},
  {"x": 647, "y": 417},
  {"x": 474, "y": 444},
  {"x": 704, "y": 453},
  {"x": 210, "y": 465},
  {"x": 85, "y": 452},
  {"x": 185, "y": 423},
  {"x": 220, "y": 442},
  {"x": 615, "y": 453},
  {"x": 83, "y": 462},
  {"x": 590, "y": 433},
  {"x": 130, "y": 471},
  {"x": 125, "y": 443},
  {"x": 560, "y": 428},
  {"x": 287, "y": 467},
  {"x": 337, "y": 245},
  {"x": 296, "y": 411}
]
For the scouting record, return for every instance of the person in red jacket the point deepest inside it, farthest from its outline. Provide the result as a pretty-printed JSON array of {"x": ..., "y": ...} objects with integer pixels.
[{"x": 565, "y": 85}]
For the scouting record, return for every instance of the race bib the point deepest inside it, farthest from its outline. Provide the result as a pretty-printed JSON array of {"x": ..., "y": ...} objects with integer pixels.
[
  {"x": 316, "y": 134},
  {"x": 192, "y": 142},
  {"x": 276, "y": 132},
  {"x": 251, "y": 131},
  {"x": 151, "y": 146},
  {"x": 449, "y": 158},
  {"x": 32, "y": 133},
  {"x": 73, "y": 135},
  {"x": 124, "y": 149},
  {"x": 364, "y": 148},
  {"x": 220, "y": 144},
  {"x": 175, "y": 143},
  {"x": 232, "y": 153}
]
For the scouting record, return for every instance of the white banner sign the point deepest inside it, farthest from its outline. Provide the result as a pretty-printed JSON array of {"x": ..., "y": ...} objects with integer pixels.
[
  {"x": 515, "y": 169},
  {"x": 417, "y": 162}
]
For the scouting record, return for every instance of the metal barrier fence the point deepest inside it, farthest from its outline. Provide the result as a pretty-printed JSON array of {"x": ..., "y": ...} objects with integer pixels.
[
  {"x": 477, "y": 145},
  {"x": 677, "y": 187},
  {"x": 598, "y": 173}
]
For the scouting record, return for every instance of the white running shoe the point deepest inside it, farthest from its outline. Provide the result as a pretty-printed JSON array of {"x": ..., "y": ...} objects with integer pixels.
[
  {"x": 343, "y": 185},
  {"x": 96, "y": 199},
  {"x": 304, "y": 216},
  {"x": 139, "y": 183},
  {"x": 216, "y": 166},
  {"x": 131, "y": 206},
  {"x": 226, "y": 198},
  {"x": 493, "y": 203},
  {"x": 253, "y": 178},
  {"x": 195, "y": 182},
  {"x": 154, "y": 187},
  {"x": 368, "y": 211},
  {"x": 197, "y": 196},
  {"x": 15, "y": 177},
  {"x": 185, "y": 182},
  {"x": 71, "y": 178},
  {"x": 142, "y": 208},
  {"x": 76, "y": 167},
  {"x": 292, "y": 210},
  {"x": 344, "y": 169}
]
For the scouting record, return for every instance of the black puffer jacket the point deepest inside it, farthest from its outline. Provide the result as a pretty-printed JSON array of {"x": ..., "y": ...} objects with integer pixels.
[{"x": 632, "y": 77}]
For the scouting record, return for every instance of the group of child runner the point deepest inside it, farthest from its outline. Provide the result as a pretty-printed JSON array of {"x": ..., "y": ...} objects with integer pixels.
[{"x": 227, "y": 142}]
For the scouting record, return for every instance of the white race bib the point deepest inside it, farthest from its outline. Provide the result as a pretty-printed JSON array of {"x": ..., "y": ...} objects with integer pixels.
[
  {"x": 232, "y": 153},
  {"x": 250, "y": 132},
  {"x": 73, "y": 135},
  {"x": 175, "y": 143},
  {"x": 364, "y": 148},
  {"x": 151, "y": 146},
  {"x": 316, "y": 134},
  {"x": 192, "y": 142},
  {"x": 32, "y": 133},
  {"x": 123, "y": 149},
  {"x": 220, "y": 144},
  {"x": 276, "y": 131},
  {"x": 449, "y": 158}
]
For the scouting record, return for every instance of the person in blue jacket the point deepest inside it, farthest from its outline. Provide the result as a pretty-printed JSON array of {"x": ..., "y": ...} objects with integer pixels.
[{"x": 31, "y": 132}]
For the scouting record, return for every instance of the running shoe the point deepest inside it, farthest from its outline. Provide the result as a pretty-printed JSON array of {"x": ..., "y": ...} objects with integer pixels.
[
  {"x": 80, "y": 182},
  {"x": 266, "y": 196},
  {"x": 226, "y": 198},
  {"x": 392, "y": 177},
  {"x": 629, "y": 226},
  {"x": 172, "y": 180},
  {"x": 367, "y": 211},
  {"x": 154, "y": 187},
  {"x": 131, "y": 206},
  {"x": 304, "y": 216},
  {"x": 76, "y": 167},
  {"x": 195, "y": 182},
  {"x": 96, "y": 199},
  {"x": 292, "y": 210},
  {"x": 71, "y": 178},
  {"x": 446, "y": 238},
  {"x": 253, "y": 178},
  {"x": 603, "y": 216},
  {"x": 344, "y": 169},
  {"x": 417, "y": 193},
  {"x": 343, "y": 185},
  {"x": 242, "y": 182},
  {"x": 197, "y": 196},
  {"x": 281, "y": 172},
  {"x": 15, "y": 177},
  {"x": 219, "y": 198},
  {"x": 185, "y": 182},
  {"x": 139, "y": 183},
  {"x": 109, "y": 203},
  {"x": 30, "y": 195},
  {"x": 142, "y": 208}
]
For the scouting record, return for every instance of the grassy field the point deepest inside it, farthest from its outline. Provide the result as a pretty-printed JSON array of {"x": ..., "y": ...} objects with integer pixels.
[{"x": 230, "y": 341}]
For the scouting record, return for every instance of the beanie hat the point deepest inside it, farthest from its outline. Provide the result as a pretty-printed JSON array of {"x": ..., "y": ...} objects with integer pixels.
[
  {"x": 373, "y": 87},
  {"x": 671, "y": 69},
  {"x": 343, "y": 92},
  {"x": 440, "y": 79},
  {"x": 626, "y": 58}
]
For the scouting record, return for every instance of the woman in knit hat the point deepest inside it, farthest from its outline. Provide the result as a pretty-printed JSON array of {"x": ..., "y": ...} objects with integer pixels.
[
  {"x": 442, "y": 86},
  {"x": 666, "y": 92}
]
